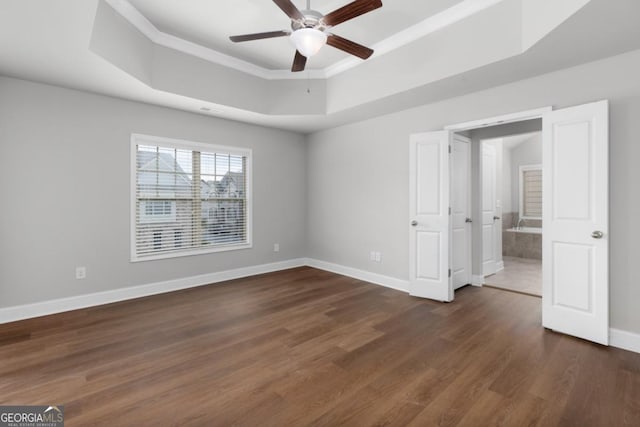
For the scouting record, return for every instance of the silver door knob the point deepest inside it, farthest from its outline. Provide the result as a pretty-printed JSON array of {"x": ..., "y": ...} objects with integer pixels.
[
  {"x": 597, "y": 234},
  {"x": 468, "y": 220},
  {"x": 414, "y": 223}
]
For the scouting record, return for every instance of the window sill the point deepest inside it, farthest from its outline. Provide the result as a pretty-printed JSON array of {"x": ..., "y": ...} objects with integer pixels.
[{"x": 191, "y": 252}]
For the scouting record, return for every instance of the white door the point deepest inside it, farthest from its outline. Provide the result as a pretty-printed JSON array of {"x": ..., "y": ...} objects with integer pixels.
[
  {"x": 460, "y": 211},
  {"x": 575, "y": 293},
  {"x": 489, "y": 216},
  {"x": 429, "y": 216}
]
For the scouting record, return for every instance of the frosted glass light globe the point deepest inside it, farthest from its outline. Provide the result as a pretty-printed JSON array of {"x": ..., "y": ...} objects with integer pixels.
[{"x": 308, "y": 41}]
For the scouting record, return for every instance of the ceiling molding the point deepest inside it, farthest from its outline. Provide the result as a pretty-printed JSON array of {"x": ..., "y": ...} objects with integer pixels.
[
  {"x": 430, "y": 25},
  {"x": 139, "y": 21},
  {"x": 450, "y": 16}
]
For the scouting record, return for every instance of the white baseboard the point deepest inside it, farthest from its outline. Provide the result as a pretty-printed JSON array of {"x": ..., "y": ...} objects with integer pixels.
[
  {"x": 21, "y": 312},
  {"x": 624, "y": 339},
  {"x": 617, "y": 338},
  {"x": 477, "y": 280},
  {"x": 367, "y": 276},
  {"x": 499, "y": 266}
]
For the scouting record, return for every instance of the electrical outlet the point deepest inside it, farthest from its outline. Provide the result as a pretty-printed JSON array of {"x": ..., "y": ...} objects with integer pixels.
[
  {"x": 378, "y": 257},
  {"x": 372, "y": 256},
  {"x": 81, "y": 272},
  {"x": 276, "y": 247}
]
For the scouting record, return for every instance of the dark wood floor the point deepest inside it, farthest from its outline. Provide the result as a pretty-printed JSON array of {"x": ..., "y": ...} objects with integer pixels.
[{"x": 306, "y": 347}]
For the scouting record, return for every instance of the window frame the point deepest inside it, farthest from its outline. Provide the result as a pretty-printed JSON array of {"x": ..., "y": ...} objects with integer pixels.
[
  {"x": 247, "y": 153},
  {"x": 522, "y": 170}
]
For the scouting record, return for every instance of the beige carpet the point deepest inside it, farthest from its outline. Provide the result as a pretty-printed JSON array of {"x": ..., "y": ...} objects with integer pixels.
[{"x": 519, "y": 274}]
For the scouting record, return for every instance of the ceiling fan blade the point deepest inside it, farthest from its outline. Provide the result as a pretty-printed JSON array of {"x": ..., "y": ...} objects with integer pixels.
[
  {"x": 348, "y": 46},
  {"x": 290, "y": 9},
  {"x": 258, "y": 36},
  {"x": 299, "y": 62},
  {"x": 350, "y": 11}
]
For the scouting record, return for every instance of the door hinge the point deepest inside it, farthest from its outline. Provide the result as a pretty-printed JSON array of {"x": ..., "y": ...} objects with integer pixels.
[
  {"x": 449, "y": 210},
  {"x": 449, "y": 149},
  {"x": 449, "y": 272}
]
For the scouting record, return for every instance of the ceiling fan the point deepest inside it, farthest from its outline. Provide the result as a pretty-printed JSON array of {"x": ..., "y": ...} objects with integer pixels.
[{"x": 310, "y": 30}]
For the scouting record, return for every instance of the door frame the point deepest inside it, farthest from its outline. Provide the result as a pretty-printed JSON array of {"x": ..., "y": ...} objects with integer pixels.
[
  {"x": 500, "y": 120},
  {"x": 541, "y": 113},
  {"x": 520, "y": 116}
]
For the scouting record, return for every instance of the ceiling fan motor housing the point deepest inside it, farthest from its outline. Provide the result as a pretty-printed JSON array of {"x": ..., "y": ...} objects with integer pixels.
[{"x": 312, "y": 19}]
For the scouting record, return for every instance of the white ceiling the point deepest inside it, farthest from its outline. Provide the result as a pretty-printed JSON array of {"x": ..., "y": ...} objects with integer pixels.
[
  {"x": 211, "y": 23},
  {"x": 48, "y": 41}
]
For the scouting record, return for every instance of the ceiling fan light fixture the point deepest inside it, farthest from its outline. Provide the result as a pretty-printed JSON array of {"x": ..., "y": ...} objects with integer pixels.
[{"x": 308, "y": 41}]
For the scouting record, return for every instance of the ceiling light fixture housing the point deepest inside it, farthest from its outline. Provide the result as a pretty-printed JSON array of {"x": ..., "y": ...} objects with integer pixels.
[{"x": 308, "y": 34}]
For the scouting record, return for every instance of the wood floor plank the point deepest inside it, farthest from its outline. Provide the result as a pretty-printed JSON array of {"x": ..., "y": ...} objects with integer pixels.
[{"x": 309, "y": 347}]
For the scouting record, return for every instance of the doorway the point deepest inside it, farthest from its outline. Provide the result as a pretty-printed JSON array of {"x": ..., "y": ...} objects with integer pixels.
[
  {"x": 574, "y": 219},
  {"x": 511, "y": 206}
]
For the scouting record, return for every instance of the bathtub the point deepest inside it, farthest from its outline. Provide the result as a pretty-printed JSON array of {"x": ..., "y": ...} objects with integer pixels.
[{"x": 529, "y": 230}]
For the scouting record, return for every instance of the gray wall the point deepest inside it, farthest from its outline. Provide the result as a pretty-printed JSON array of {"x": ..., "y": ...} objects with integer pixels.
[
  {"x": 64, "y": 186},
  {"x": 359, "y": 179},
  {"x": 64, "y": 183}
]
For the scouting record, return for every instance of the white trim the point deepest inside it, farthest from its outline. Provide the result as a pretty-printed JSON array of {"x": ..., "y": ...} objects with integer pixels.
[
  {"x": 142, "y": 139},
  {"x": 477, "y": 280},
  {"x": 44, "y": 308},
  {"x": 366, "y": 276},
  {"x": 624, "y": 339},
  {"x": 617, "y": 338},
  {"x": 500, "y": 120},
  {"x": 21, "y": 312},
  {"x": 499, "y": 265},
  {"x": 140, "y": 22},
  {"x": 432, "y": 24},
  {"x": 423, "y": 28}
]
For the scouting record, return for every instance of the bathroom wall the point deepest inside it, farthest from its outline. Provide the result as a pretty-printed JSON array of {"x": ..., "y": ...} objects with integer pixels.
[
  {"x": 528, "y": 152},
  {"x": 518, "y": 244}
]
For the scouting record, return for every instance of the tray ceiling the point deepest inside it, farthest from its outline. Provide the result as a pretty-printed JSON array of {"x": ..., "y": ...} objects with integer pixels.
[
  {"x": 210, "y": 23},
  {"x": 89, "y": 45}
]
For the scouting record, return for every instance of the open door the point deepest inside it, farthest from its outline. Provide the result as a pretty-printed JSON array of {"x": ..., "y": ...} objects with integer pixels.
[
  {"x": 575, "y": 222},
  {"x": 429, "y": 216},
  {"x": 460, "y": 211},
  {"x": 489, "y": 214}
]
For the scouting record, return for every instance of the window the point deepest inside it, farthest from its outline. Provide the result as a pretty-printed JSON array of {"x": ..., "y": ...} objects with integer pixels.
[
  {"x": 531, "y": 192},
  {"x": 157, "y": 211},
  {"x": 188, "y": 198}
]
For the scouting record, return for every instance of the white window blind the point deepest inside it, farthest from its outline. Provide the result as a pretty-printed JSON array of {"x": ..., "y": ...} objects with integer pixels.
[
  {"x": 531, "y": 192},
  {"x": 188, "y": 198}
]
